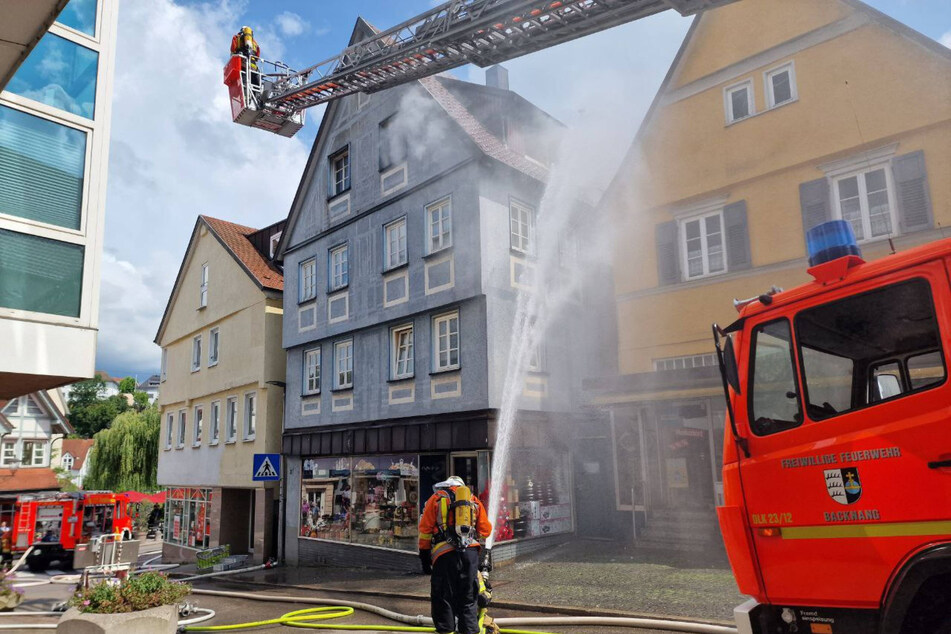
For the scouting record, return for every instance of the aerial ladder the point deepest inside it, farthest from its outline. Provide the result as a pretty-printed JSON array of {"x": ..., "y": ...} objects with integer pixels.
[{"x": 271, "y": 96}]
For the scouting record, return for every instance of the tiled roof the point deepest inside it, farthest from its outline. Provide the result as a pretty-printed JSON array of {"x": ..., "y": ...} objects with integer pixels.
[
  {"x": 27, "y": 479},
  {"x": 485, "y": 140},
  {"x": 235, "y": 237},
  {"x": 78, "y": 448}
]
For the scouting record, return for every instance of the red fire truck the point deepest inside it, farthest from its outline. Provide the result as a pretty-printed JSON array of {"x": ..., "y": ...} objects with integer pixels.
[
  {"x": 837, "y": 462},
  {"x": 54, "y": 523}
]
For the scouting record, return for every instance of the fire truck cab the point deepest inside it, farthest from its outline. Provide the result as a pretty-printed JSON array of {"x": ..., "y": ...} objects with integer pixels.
[
  {"x": 837, "y": 462},
  {"x": 53, "y": 524}
]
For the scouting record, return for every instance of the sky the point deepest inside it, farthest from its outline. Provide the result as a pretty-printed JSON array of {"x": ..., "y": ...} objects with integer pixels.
[{"x": 175, "y": 153}]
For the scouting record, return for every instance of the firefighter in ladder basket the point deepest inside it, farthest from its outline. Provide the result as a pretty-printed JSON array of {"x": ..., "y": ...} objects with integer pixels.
[
  {"x": 244, "y": 44},
  {"x": 451, "y": 529}
]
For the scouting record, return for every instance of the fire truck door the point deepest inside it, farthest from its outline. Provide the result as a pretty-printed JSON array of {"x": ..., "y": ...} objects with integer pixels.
[{"x": 847, "y": 406}]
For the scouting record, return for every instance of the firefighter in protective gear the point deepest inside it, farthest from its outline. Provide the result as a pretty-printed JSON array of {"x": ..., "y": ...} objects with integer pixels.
[
  {"x": 451, "y": 529},
  {"x": 244, "y": 44}
]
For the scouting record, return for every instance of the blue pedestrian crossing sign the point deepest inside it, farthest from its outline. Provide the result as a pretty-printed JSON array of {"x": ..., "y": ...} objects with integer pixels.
[{"x": 266, "y": 466}]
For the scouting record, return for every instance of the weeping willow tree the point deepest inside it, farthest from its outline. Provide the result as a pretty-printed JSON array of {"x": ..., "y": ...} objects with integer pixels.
[{"x": 125, "y": 456}]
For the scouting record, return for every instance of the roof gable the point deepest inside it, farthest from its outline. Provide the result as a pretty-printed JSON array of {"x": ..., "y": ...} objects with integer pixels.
[{"x": 235, "y": 239}]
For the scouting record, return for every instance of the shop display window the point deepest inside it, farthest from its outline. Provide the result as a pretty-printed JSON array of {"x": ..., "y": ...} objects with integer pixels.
[
  {"x": 537, "y": 496},
  {"x": 188, "y": 517},
  {"x": 371, "y": 500}
]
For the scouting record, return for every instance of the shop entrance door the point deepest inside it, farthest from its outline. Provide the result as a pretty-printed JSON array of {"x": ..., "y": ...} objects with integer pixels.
[
  {"x": 594, "y": 501},
  {"x": 685, "y": 446},
  {"x": 466, "y": 466},
  {"x": 432, "y": 469}
]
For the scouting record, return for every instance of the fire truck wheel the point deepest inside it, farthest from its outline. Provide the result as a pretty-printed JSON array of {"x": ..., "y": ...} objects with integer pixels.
[{"x": 37, "y": 564}]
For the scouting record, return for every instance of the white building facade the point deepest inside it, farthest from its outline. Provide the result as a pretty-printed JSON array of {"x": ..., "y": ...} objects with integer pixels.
[{"x": 55, "y": 110}]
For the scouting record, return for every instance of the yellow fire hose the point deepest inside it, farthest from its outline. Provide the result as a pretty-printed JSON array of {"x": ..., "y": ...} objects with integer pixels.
[{"x": 307, "y": 616}]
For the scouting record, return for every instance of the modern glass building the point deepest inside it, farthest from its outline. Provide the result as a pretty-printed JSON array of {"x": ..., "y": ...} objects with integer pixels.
[{"x": 54, "y": 141}]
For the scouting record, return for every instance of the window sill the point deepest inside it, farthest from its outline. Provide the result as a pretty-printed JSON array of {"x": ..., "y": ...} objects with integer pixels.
[
  {"x": 196, "y": 444},
  {"x": 442, "y": 251},
  {"x": 213, "y": 443},
  {"x": 211, "y": 365},
  {"x": 537, "y": 372},
  {"x": 177, "y": 447},
  {"x": 202, "y": 307},
  {"x": 525, "y": 255},
  {"x": 195, "y": 370},
  {"x": 446, "y": 370},
  {"x": 342, "y": 388},
  {"x": 335, "y": 195},
  {"x": 402, "y": 379},
  {"x": 333, "y": 291},
  {"x": 167, "y": 448},
  {"x": 248, "y": 439},
  {"x": 310, "y": 394},
  {"x": 306, "y": 300},
  {"x": 393, "y": 269},
  {"x": 230, "y": 442},
  {"x": 764, "y": 111},
  {"x": 697, "y": 278}
]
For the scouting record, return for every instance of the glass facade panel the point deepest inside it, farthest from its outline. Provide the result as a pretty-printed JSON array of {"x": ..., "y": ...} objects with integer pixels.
[
  {"x": 80, "y": 15},
  {"x": 188, "y": 517},
  {"x": 41, "y": 169},
  {"x": 61, "y": 74},
  {"x": 40, "y": 275}
]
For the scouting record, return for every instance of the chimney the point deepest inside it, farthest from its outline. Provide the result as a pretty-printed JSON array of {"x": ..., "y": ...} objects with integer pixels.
[{"x": 497, "y": 77}]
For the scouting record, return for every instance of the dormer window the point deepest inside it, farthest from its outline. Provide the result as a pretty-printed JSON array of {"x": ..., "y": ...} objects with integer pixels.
[{"x": 68, "y": 462}]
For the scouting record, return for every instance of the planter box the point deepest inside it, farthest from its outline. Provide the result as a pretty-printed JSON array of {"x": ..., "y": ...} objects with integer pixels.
[{"x": 160, "y": 620}]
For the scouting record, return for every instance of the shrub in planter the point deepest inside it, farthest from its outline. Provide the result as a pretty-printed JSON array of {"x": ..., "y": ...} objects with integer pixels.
[
  {"x": 10, "y": 597},
  {"x": 143, "y": 604}
]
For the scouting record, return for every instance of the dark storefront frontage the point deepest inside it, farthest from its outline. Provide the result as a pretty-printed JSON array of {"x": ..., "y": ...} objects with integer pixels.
[
  {"x": 666, "y": 431},
  {"x": 357, "y": 492}
]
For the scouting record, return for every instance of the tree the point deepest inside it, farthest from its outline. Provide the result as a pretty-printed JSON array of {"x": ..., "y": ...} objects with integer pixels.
[
  {"x": 87, "y": 419},
  {"x": 86, "y": 392},
  {"x": 140, "y": 401},
  {"x": 125, "y": 456},
  {"x": 127, "y": 385}
]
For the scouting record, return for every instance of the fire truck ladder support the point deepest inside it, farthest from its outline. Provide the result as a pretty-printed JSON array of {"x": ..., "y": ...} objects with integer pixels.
[{"x": 481, "y": 32}]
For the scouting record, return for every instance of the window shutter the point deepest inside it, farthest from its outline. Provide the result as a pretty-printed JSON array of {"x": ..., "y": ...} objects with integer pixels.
[
  {"x": 668, "y": 253},
  {"x": 914, "y": 200},
  {"x": 814, "y": 202},
  {"x": 738, "y": 255}
]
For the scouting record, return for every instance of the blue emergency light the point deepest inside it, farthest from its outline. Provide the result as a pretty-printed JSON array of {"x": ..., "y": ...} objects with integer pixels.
[{"x": 831, "y": 240}]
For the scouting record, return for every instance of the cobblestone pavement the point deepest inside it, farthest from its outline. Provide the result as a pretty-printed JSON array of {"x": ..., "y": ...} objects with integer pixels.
[{"x": 586, "y": 574}]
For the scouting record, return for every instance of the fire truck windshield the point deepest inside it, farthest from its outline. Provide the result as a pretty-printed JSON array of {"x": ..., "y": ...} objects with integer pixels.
[{"x": 854, "y": 352}]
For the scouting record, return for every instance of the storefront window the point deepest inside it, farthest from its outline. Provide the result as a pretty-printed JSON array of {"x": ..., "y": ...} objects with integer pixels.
[
  {"x": 187, "y": 517},
  {"x": 537, "y": 496},
  {"x": 372, "y": 500}
]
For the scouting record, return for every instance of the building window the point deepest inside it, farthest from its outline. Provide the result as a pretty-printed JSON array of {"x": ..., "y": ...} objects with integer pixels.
[
  {"x": 339, "y": 172},
  {"x": 164, "y": 364},
  {"x": 864, "y": 199},
  {"x": 536, "y": 359},
  {"x": 688, "y": 361},
  {"x": 439, "y": 222},
  {"x": 68, "y": 462},
  {"x": 203, "y": 294},
  {"x": 739, "y": 101},
  {"x": 343, "y": 364},
  {"x": 213, "y": 347},
  {"x": 401, "y": 352},
  {"x": 196, "y": 354},
  {"x": 312, "y": 371},
  {"x": 522, "y": 227},
  {"x": 181, "y": 429},
  {"x": 273, "y": 243},
  {"x": 188, "y": 517},
  {"x": 308, "y": 279},
  {"x": 394, "y": 239},
  {"x": 43, "y": 173},
  {"x": 215, "y": 421},
  {"x": 702, "y": 245},
  {"x": 392, "y": 145},
  {"x": 59, "y": 73},
  {"x": 446, "y": 342},
  {"x": 80, "y": 16},
  {"x": 339, "y": 267},
  {"x": 199, "y": 419},
  {"x": 780, "y": 85},
  {"x": 9, "y": 453},
  {"x": 34, "y": 453},
  {"x": 231, "y": 413},
  {"x": 170, "y": 422},
  {"x": 31, "y": 408},
  {"x": 250, "y": 415},
  {"x": 54, "y": 290}
]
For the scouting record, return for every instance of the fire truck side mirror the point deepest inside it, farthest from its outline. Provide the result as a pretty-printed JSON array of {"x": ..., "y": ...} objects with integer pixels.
[{"x": 729, "y": 365}]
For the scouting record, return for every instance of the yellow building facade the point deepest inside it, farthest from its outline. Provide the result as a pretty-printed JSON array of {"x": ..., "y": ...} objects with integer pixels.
[
  {"x": 222, "y": 392},
  {"x": 774, "y": 117}
]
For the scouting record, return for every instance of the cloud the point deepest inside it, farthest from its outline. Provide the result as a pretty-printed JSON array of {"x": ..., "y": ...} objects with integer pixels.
[
  {"x": 174, "y": 154},
  {"x": 946, "y": 39},
  {"x": 291, "y": 24}
]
